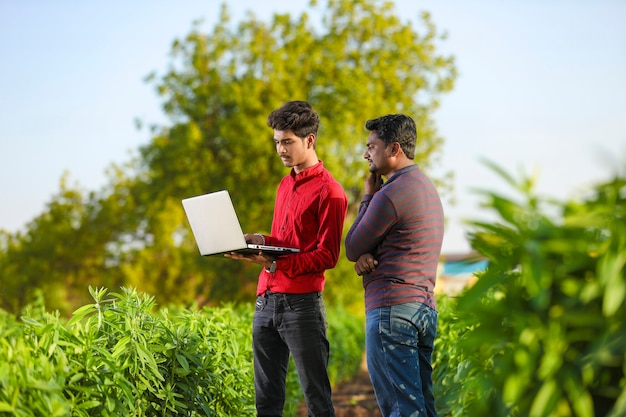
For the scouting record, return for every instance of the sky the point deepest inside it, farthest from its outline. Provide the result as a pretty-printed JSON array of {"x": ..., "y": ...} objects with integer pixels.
[{"x": 541, "y": 90}]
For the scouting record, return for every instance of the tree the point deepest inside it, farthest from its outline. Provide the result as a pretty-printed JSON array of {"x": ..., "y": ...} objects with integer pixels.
[
  {"x": 62, "y": 251},
  {"x": 357, "y": 61}
]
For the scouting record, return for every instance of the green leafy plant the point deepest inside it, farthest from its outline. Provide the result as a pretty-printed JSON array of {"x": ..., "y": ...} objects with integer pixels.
[
  {"x": 543, "y": 331},
  {"x": 121, "y": 356},
  {"x": 118, "y": 357},
  {"x": 448, "y": 359}
]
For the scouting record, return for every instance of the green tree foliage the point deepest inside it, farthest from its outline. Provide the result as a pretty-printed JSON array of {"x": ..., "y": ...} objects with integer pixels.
[
  {"x": 61, "y": 252},
  {"x": 354, "y": 61},
  {"x": 543, "y": 331}
]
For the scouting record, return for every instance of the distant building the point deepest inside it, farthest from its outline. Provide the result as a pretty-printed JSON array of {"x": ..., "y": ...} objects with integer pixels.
[{"x": 457, "y": 271}]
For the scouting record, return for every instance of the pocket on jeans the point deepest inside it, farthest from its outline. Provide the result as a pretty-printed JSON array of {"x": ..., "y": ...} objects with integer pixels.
[
  {"x": 401, "y": 327},
  {"x": 303, "y": 304}
]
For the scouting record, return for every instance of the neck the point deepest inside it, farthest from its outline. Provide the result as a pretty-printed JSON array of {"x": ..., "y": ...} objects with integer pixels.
[
  {"x": 398, "y": 166},
  {"x": 310, "y": 161}
]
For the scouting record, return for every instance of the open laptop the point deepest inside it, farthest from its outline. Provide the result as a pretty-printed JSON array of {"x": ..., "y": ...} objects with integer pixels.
[{"x": 216, "y": 228}]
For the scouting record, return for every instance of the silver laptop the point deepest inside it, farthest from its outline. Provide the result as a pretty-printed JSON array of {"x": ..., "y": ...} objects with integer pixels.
[{"x": 216, "y": 228}]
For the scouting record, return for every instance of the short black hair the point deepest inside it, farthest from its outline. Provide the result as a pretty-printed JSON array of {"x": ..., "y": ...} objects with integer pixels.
[
  {"x": 297, "y": 116},
  {"x": 395, "y": 128}
]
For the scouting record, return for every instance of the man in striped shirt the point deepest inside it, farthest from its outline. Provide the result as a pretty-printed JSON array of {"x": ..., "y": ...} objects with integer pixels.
[{"x": 395, "y": 243}]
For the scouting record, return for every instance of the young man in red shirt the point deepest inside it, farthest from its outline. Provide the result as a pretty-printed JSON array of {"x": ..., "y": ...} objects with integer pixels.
[{"x": 290, "y": 315}]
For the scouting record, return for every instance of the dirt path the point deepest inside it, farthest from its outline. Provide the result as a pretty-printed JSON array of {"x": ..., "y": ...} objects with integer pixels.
[{"x": 354, "y": 398}]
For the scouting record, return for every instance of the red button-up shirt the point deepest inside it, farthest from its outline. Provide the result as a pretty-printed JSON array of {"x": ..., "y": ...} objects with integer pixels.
[{"x": 309, "y": 214}]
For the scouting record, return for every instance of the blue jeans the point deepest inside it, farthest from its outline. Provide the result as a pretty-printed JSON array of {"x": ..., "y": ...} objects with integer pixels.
[
  {"x": 296, "y": 324},
  {"x": 399, "y": 347}
]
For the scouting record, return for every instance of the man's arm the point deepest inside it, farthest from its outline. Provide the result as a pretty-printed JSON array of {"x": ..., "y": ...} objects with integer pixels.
[
  {"x": 375, "y": 218},
  {"x": 332, "y": 212}
]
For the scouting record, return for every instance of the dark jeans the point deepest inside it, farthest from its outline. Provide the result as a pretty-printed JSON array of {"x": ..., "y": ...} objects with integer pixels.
[
  {"x": 399, "y": 347},
  {"x": 296, "y": 324}
]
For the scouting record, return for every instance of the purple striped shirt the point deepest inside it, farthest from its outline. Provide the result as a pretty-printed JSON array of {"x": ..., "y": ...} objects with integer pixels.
[{"x": 401, "y": 225}]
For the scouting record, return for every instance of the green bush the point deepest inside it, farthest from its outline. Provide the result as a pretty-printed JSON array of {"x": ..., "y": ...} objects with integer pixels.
[
  {"x": 116, "y": 358},
  {"x": 543, "y": 331},
  {"x": 120, "y": 356},
  {"x": 448, "y": 359}
]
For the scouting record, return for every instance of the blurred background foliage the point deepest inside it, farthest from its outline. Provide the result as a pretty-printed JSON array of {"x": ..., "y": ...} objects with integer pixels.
[
  {"x": 543, "y": 330},
  {"x": 359, "y": 60}
]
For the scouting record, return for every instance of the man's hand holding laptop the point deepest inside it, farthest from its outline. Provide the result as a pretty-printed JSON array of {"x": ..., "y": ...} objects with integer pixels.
[{"x": 257, "y": 258}]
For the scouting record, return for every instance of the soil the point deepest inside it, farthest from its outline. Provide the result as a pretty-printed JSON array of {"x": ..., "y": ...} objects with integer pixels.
[{"x": 353, "y": 398}]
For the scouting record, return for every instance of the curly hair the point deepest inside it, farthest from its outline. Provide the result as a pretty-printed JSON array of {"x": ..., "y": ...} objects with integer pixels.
[{"x": 297, "y": 116}]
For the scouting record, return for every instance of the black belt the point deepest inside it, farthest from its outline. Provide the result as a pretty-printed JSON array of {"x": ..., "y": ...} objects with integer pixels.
[{"x": 268, "y": 294}]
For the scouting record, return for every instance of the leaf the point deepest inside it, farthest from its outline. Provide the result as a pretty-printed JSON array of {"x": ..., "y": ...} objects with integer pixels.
[
  {"x": 81, "y": 313},
  {"x": 121, "y": 346},
  {"x": 148, "y": 359},
  {"x": 578, "y": 395},
  {"x": 545, "y": 400},
  {"x": 6, "y": 407},
  {"x": 87, "y": 405},
  {"x": 183, "y": 362},
  {"x": 611, "y": 271}
]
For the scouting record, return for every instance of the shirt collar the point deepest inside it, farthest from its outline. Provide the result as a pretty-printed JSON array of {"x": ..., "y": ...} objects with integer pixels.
[
  {"x": 307, "y": 173},
  {"x": 401, "y": 172}
]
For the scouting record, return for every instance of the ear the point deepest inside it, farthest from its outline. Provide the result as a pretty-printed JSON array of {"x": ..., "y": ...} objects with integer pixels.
[
  {"x": 310, "y": 140},
  {"x": 395, "y": 149}
]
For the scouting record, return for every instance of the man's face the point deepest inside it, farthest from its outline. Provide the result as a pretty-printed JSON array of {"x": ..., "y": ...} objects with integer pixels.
[
  {"x": 376, "y": 154},
  {"x": 293, "y": 150}
]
